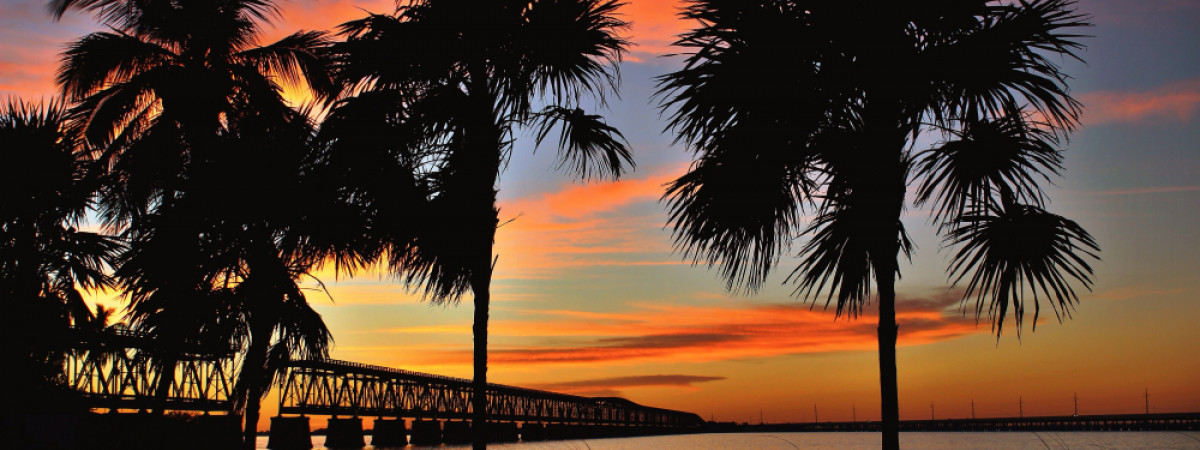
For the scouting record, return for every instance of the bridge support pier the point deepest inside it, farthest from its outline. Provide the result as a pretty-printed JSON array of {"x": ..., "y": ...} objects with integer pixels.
[
  {"x": 556, "y": 431},
  {"x": 426, "y": 432},
  {"x": 389, "y": 433},
  {"x": 344, "y": 433},
  {"x": 531, "y": 431},
  {"x": 502, "y": 432},
  {"x": 456, "y": 432},
  {"x": 289, "y": 433},
  {"x": 218, "y": 431}
]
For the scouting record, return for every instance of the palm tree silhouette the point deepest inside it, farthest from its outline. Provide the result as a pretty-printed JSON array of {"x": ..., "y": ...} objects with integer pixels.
[
  {"x": 795, "y": 104},
  {"x": 441, "y": 85},
  {"x": 44, "y": 260},
  {"x": 202, "y": 164}
]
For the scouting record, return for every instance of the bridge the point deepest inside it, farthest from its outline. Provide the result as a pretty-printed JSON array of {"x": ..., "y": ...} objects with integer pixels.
[
  {"x": 1093, "y": 422},
  {"x": 118, "y": 370},
  {"x": 122, "y": 371},
  {"x": 440, "y": 407}
]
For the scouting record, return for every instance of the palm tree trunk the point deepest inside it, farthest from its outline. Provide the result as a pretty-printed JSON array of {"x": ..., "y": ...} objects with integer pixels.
[
  {"x": 484, "y": 138},
  {"x": 252, "y": 378},
  {"x": 253, "y": 406},
  {"x": 166, "y": 377},
  {"x": 481, "y": 285},
  {"x": 884, "y": 189},
  {"x": 888, "y": 388}
]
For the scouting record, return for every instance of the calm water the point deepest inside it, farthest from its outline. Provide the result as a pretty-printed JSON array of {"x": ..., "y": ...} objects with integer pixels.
[{"x": 950, "y": 440}]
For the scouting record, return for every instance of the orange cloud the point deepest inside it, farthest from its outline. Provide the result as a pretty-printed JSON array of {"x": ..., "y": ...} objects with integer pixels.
[
  {"x": 1177, "y": 102},
  {"x": 681, "y": 333},
  {"x": 655, "y": 24},
  {"x": 585, "y": 225}
]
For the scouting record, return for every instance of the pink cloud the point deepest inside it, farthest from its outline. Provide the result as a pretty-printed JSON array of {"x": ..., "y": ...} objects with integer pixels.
[
  {"x": 1175, "y": 102},
  {"x": 1138, "y": 13}
]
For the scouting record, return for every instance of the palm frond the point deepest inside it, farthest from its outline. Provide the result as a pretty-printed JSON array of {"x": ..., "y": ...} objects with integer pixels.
[
  {"x": 738, "y": 207},
  {"x": 121, "y": 108},
  {"x": 103, "y": 58},
  {"x": 1003, "y": 64},
  {"x": 1017, "y": 251},
  {"x": 572, "y": 46},
  {"x": 586, "y": 144},
  {"x": 988, "y": 156},
  {"x": 394, "y": 52},
  {"x": 296, "y": 59},
  {"x": 849, "y": 241}
]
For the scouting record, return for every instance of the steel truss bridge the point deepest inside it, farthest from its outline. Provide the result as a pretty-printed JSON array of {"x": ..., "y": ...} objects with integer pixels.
[
  {"x": 121, "y": 370},
  {"x": 340, "y": 388}
]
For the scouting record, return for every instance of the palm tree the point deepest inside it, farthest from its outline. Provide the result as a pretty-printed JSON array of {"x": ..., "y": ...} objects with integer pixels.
[
  {"x": 45, "y": 261},
  {"x": 200, "y": 159},
  {"x": 440, "y": 87},
  {"x": 156, "y": 91},
  {"x": 852, "y": 85}
]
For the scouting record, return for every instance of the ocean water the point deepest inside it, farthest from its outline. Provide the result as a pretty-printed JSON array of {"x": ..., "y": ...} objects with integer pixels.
[{"x": 943, "y": 440}]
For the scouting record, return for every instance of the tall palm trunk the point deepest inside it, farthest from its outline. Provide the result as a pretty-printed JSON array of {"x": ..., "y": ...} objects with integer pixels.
[
  {"x": 481, "y": 286},
  {"x": 252, "y": 377},
  {"x": 483, "y": 137},
  {"x": 887, "y": 205},
  {"x": 166, "y": 377},
  {"x": 889, "y": 390},
  {"x": 885, "y": 186}
]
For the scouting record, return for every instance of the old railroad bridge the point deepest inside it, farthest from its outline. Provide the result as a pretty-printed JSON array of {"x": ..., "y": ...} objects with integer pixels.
[{"x": 115, "y": 372}]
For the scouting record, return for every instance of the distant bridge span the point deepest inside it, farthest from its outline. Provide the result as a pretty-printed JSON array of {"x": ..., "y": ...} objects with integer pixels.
[{"x": 340, "y": 388}]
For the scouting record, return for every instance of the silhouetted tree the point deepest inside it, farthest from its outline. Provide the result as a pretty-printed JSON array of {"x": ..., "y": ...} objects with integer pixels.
[
  {"x": 201, "y": 160},
  {"x": 240, "y": 252},
  {"x": 441, "y": 85},
  {"x": 44, "y": 260},
  {"x": 789, "y": 104}
]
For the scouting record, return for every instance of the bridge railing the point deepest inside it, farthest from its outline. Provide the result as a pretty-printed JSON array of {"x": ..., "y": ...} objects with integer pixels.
[{"x": 331, "y": 387}]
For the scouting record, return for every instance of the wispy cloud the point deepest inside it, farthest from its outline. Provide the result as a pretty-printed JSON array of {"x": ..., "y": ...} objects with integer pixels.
[
  {"x": 655, "y": 25},
  {"x": 1139, "y": 13},
  {"x": 612, "y": 386},
  {"x": 597, "y": 224},
  {"x": 1177, "y": 102},
  {"x": 1133, "y": 292},
  {"x": 1149, "y": 190}
]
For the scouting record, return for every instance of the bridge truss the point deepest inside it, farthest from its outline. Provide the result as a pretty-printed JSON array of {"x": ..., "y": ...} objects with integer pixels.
[
  {"x": 336, "y": 388},
  {"x": 118, "y": 370}
]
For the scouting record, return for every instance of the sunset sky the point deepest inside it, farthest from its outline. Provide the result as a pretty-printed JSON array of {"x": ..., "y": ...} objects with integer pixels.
[{"x": 589, "y": 299}]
